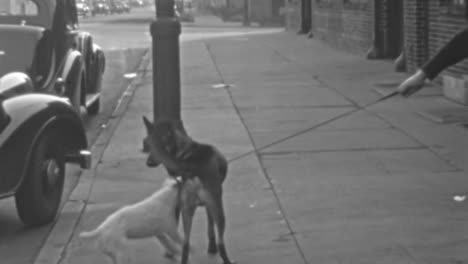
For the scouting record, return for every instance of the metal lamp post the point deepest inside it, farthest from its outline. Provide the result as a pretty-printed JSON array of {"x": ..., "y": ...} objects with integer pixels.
[{"x": 165, "y": 31}]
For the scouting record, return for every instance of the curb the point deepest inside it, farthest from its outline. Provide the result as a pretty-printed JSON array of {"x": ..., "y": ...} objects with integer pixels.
[{"x": 54, "y": 247}]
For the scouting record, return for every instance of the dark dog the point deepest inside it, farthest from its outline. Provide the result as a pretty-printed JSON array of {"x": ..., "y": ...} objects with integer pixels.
[{"x": 170, "y": 145}]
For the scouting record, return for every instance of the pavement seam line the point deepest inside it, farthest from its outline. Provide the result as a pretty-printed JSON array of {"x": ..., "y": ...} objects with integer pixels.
[
  {"x": 123, "y": 104},
  {"x": 291, "y": 232},
  {"x": 314, "y": 77},
  {"x": 38, "y": 259},
  {"x": 365, "y": 108},
  {"x": 428, "y": 147},
  {"x": 273, "y": 153},
  {"x": 300, "y": 132},
  {"x": 357, "y": 108}
]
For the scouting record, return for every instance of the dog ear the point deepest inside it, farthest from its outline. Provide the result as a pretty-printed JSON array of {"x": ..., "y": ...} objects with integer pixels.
[{"x": 148, "y": 124}]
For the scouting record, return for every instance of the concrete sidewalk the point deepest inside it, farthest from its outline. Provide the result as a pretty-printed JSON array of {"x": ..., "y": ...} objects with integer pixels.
[{"x": 311, "y": 179}]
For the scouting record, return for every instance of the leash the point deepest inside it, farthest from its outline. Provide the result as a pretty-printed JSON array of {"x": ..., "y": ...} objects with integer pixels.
[
  {"x": 351, "y": 112},
  {"x": 390, "y": 95}
]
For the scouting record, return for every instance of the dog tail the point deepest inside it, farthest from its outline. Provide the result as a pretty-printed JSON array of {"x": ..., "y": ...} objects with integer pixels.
[{"x": 90, "y": 234}]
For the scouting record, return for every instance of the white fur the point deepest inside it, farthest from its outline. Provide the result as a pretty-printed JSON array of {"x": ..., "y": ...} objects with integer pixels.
[{"x": 152, "y": 217}]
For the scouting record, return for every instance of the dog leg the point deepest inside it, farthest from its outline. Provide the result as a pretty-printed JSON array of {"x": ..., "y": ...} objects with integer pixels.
[
  {"x": 114, "y": 250},
  {"x": 214, "y": 203},
  {"x": 122, "y": 258},
  {"x": 212, "y": 248},
  {"x": 112, "y": 257},
  {"x": 171, "y": 250},
  {"x": 173, "y": 233},
  {"x": 187, "y": 218}
]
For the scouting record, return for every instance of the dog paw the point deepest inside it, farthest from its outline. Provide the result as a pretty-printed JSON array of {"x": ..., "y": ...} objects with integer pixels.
[
  {"x": 169, "y": 255},
  {"x": 212, "y": 249}
]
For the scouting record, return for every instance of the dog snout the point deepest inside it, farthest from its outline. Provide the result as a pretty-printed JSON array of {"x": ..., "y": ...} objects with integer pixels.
[
  {"x": 152, "y": 163},
  {"x": 146, "y": 146}
]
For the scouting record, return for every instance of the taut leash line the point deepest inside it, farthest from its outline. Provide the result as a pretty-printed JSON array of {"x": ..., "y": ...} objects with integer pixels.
[{"x": 388, "y": 96}]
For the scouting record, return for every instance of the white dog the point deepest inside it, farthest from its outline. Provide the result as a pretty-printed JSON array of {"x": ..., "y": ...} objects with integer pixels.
[{"x": 154, "y": 216}]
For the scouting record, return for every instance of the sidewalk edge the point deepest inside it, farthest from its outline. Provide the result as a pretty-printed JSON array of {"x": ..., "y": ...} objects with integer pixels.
[{"x": 54, "y": 246}]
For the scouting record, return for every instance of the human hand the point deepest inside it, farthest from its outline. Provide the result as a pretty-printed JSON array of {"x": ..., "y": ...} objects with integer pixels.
[{"x": 413, "y": 84}]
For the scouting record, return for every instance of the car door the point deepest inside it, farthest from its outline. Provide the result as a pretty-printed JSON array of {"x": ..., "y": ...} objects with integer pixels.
[
  {"x": 65, "y": 27},
  {"x": 71, "y": 21}
]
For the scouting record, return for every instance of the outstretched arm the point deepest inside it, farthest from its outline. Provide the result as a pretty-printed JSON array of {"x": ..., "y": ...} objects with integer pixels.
[{"x": 451, "y": 53}]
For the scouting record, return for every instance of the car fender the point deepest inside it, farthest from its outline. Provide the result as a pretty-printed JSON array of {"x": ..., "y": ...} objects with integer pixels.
[
  {"x": 15, "y": 83},
  {"x": 96, "y": 70},
  {"x": 72, "y": 59},
  {"x": 12, "y": 84},
  {"x": 85, "y": 46},
  {"x": 30, "y": 116},
  {"x": 71, "y": 74},
  {"x": 99, "y": 58}
]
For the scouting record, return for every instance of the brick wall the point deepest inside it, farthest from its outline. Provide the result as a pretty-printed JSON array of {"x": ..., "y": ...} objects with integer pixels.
[
  {"x": 344, "y": 26},
  {"x": 416, "y": 13},
  {"x": 262, "y": 12},
  {"x": 428, "y": 26},
  {"x": 442, "y": 27}
]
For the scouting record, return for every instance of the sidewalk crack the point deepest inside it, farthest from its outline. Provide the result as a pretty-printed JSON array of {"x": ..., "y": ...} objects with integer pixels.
[{"x": 257, "y": 154}]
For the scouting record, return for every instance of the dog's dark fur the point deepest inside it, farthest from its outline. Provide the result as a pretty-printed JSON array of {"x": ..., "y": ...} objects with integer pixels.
[{"x": 170, "y": 145}]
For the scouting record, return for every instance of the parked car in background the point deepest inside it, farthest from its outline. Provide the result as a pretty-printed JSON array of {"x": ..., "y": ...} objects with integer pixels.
[
  {"x": 148, "y": 2},
  {"x": 136, "y": 3},
  {"x": 50, "y": 73},
  {"x": 83, "y": 8},
  {"x": 101, "y": 7},
  {"x": 126, "y": 7},
  {"x": 185, "y": 10},
  {"x": 119, "y": 7}
]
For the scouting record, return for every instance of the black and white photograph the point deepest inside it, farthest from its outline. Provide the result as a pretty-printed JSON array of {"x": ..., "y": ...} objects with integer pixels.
[{"x": 233, "y": 131}]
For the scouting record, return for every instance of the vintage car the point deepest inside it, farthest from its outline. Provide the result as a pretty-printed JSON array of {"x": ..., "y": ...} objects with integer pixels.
[
  {"x": 119, "y": 7},
  {"x": 83, "y": 9},
  {"x": 50, "y": 73},
  {"x": 101, "y": 7},
  {"x": 184, "y": 10},
  {"x": 136, "y": 3}
]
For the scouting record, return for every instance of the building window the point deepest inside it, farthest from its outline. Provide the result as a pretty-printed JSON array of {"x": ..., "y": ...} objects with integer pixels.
[
  {"x": 355, "y": 4},
  {"x": 454, "y": 7}
]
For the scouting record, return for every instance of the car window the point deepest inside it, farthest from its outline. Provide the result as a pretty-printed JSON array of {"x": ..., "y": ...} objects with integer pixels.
[
  {"x": 71, "y": 18},
  {"x": 18, "y": 8}
]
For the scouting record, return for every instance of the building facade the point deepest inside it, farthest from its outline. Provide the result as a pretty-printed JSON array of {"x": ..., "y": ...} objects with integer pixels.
[
  {"x": 408, "y": 30},
  {"x": 266, "y": 12},
  {"x": 263, "y": 12}
]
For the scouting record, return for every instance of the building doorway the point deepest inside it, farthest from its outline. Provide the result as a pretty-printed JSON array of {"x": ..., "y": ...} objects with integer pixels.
[
  {"x": 276, "y": 6},
  {"x": 306, "y": 17},
  {"x": 393, "y": 45}
]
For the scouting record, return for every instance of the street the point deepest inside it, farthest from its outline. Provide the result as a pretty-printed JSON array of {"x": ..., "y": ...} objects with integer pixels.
[
  {"x": 320, "y": 170},
  {"x": 19, "y": 245},
  {"x": 125, "y": 38}
]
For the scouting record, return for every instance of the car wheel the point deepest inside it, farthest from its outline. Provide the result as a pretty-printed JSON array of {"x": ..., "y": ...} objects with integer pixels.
[
  {"x": 38, "y": 198},
  {"x": 95, "y": 107}
]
